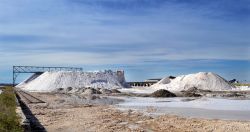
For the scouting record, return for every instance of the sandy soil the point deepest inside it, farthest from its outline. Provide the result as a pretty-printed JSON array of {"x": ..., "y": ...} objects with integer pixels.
[{"x": 64, "y": 116}]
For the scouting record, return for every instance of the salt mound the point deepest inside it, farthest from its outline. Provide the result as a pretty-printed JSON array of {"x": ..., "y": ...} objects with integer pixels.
[
  {"x": 162, "y": 93},
  {"x": 91, "y": 91},
  {"x": 105, "y": 91},
  {"x": 201, "y": 80},
  {"x": 31, "y": 78},
  {"x": 50, "y": 81},
  {"x": 242, "y": 88}
]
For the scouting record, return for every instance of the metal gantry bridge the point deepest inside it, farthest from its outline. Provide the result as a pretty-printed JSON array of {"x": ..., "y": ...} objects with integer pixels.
[
  {"x": 140, "y": 84},
  {"x": 38, "y": 70}
]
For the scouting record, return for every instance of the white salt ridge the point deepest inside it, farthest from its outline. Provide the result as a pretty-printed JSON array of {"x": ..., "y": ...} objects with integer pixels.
[
  {"x": 25, "y": 82},
  {"x": 242, "y": 88},
  {"x": 50, "y": 81},
  {"x": 201, "y": 80}
]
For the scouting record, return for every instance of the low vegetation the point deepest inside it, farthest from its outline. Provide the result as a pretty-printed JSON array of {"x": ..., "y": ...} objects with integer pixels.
[{"x": 9, "y": 121}]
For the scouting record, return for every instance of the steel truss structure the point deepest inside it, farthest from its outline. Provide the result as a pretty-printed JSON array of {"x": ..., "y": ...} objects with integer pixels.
[{"x": 38, "y": 70}]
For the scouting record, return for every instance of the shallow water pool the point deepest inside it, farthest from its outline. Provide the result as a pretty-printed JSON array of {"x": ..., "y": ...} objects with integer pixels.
[{"x": 212, "y": 108}]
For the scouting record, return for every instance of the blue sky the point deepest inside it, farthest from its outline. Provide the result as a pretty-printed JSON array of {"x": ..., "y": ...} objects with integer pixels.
[{"x": 146, "y": 38}]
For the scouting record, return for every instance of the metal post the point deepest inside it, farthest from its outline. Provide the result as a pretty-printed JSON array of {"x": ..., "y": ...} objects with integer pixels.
[{"x": 13, "y": 81}]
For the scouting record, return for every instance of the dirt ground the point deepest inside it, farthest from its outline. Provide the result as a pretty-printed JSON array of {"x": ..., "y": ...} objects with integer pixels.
[{"x": 64, "y": 115}]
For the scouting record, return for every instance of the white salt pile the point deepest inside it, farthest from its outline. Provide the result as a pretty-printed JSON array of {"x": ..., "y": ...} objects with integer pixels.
[
  {"x": 201, "y": 80},
  {"x": 242, "y": 88},
  {"x": 50, "y": 81}
]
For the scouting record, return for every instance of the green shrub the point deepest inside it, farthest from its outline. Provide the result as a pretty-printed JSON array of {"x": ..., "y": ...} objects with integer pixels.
[{"x": 9, "y": 121}]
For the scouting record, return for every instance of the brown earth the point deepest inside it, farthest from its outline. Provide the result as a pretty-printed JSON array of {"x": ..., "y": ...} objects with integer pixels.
[{"x": 58, "y": 116}]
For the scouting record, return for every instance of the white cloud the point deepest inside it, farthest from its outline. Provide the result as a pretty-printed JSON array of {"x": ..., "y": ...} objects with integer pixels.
[{"x": 87, "y": 34}]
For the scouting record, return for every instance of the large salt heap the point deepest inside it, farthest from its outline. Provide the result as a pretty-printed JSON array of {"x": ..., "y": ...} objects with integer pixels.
[
  {"x": 201, "y": 80},
  {"x": 50, "y": 81}
]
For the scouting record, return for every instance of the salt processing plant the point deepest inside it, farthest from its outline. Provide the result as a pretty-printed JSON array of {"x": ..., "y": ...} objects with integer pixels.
[
  {"x": 65, "y": 91},
  {"x": 124, "y": 66}
]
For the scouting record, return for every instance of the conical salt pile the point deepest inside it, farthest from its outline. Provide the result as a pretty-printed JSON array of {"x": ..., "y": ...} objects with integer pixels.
[
  {"x": 201, "y": 80},
  {"x": 50, "y": 81}
]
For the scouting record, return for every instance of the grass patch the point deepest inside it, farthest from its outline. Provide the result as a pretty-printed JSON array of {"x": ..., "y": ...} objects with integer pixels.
[
  {"x": 9, "y": 121},
  {"x": 241, "y": 84}
]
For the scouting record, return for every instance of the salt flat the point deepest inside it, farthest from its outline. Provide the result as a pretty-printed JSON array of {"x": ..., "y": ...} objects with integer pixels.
[
  {"x": 63, "y": 113},
  {"x": 210, "y": 108},
  {"x": 80, "y": 101}
]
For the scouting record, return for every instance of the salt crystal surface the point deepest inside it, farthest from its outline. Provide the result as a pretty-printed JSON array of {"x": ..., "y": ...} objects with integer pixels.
[
  {"x": 50, "y": 81},
  {"x": 242, "y": 88},
  {"x": 201, "y": 103},
  {"x": 210, "y": 108},
  {"x": 201, "y": 80}
]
